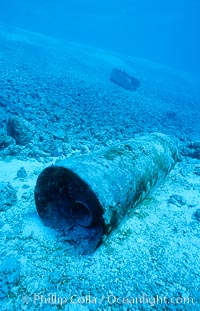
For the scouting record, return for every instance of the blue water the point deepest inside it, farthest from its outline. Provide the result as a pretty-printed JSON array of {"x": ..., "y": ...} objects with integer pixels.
[{"x": 167, "y": 32}]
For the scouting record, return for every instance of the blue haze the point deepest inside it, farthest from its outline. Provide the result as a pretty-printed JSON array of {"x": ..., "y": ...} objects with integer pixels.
[{"x": 167, "y": 32}]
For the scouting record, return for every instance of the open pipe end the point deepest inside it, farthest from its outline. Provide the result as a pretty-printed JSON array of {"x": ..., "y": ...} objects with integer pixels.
[
  {"x": 65, "y": 202},
  {"x": 82, "y": 214}
]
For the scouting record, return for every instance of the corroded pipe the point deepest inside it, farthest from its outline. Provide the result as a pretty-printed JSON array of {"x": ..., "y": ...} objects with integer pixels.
[{"x": 86, "y": 196}]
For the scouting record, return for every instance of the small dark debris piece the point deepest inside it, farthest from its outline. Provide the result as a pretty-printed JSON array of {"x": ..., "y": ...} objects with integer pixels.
[
  {"x": 177, "y": 200},
  {"x": 196, "y": 215},
  {"x": 21, "y": 173},
  {"x": 124, "y": 80},
  {"x": 21, "y": 130},
  {"x": 170, "y": 114}
]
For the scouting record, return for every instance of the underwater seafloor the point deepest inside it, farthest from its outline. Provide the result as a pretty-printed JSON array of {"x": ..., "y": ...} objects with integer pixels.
[{"x": 64, "y": 103}]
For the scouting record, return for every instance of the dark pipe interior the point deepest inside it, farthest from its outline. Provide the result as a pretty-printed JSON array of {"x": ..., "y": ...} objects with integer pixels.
[
  {"x": 65, "y": 202},
  {"x": 82, "y": 214}
]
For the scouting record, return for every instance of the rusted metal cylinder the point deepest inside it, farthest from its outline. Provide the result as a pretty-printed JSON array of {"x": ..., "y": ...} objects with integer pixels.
[{"x": 87, "y": 196}]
